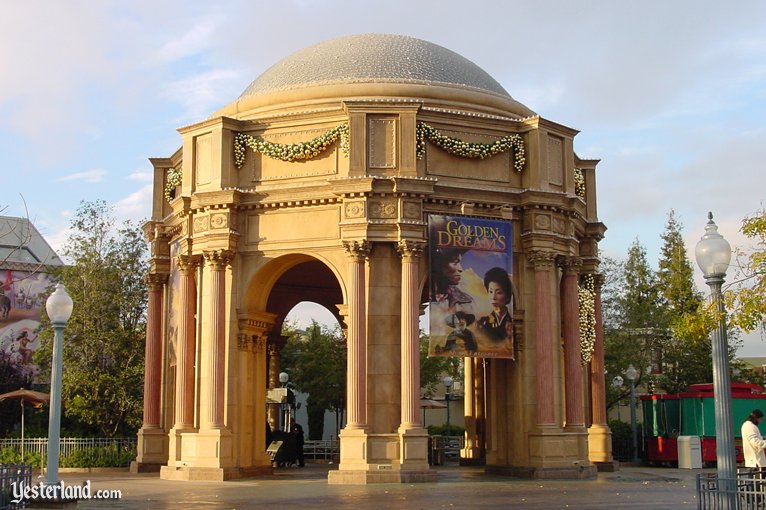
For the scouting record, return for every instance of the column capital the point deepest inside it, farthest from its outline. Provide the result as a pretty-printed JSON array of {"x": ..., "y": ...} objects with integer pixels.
[
  {"x": 570, "y": 265},
  {"x": 155, "y": 281},
  {"x": 357, "y": 251},
  {"x": 219, "y": 259},
  {"x": 541, "y": 259},
  {"x": 187, "y": 263},
  {"x": 409, "y": 249},
  {"x": 598, "y": 281}
]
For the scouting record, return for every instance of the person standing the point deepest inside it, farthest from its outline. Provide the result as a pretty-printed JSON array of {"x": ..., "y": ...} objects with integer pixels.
[{"x": 753, "y": 444}]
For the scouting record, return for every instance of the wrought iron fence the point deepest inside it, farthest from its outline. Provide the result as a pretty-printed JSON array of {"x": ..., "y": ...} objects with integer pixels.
[
  {"x": 745, "y": 492},
  {"x": 11, "y": 474},
  {"x": 69, "y": 445},
  {"x": 322, "y": 451}
]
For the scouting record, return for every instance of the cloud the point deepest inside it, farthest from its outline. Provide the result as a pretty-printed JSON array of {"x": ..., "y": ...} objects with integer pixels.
[
  {"x": 191, "y": 42},
  {"x": 136, "y": 207},
  {"x": 141, "y": 175},
  {"x": 201, "y": 94},
  {"x": 87, "y": 176}
]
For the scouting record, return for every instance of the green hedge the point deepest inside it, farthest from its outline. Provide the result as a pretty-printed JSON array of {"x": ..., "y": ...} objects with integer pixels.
[{"x": 101, "y": 456}]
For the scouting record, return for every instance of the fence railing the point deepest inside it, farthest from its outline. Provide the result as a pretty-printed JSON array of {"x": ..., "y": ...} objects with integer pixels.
[
  {"x": 325, "y": 451},
  {"x": 745, "y": 492},
  {"x": 11, "y": 474},
  {"x": 68, "y": 445}
]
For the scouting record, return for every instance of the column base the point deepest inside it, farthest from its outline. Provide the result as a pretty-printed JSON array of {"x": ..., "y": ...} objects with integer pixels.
[
  {"x": 607, "y": 467},
  {"x": 472, "y": 456},
  {"x": 382, "y": 458},
  {"x": 600, "y": 444},
  {"x": 152, "y": 450}
]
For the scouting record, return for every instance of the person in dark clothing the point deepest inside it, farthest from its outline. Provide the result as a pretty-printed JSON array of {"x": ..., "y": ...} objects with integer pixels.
[{"x": 296, "y": 429}]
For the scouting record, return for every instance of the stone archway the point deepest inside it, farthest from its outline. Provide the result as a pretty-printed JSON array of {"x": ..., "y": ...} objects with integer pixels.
[{"x": 340, "y": 155}]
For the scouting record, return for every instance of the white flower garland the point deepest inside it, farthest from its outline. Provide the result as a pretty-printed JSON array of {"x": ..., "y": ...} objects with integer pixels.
[
  {"x": 468, "y": 149},
  {"x": 579, "y": 181},
  {"x": 289, "y": 152},
  {"x": 173, "y": 179},
  {"x": 587, "y": 300}
]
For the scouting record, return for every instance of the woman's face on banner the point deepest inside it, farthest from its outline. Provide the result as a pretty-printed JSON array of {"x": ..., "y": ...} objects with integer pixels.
[
  {"x": 453, "y": 270},
  {"x": 497, "y": 295}
]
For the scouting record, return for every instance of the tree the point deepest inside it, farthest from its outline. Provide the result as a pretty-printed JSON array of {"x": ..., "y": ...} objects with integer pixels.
[
  {"x": 316, "y": 361},
  {"x": 630, "y": 302},
  {"x": 686, "y": 354},
  {"x": 747, "y": 296},
  {"x": 102, "y": 381}
]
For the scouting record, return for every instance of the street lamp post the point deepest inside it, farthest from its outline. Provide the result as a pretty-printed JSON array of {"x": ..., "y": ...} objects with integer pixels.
[
  {"x": 713, "y": 254},
  {"x": 59, "y": 308},
  {"x": 448, "y": 381},
  {"x": 617, "y": 384},
  {"x": 283, "y": 378},
  {"x": 632, "y": 375}
]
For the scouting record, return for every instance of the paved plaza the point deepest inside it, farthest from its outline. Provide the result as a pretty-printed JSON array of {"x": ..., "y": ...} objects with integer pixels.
[{"x": 457, "y": 487}]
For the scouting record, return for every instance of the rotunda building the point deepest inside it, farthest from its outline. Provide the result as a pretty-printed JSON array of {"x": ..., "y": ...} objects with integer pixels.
[{"x": 329, "y": 180}]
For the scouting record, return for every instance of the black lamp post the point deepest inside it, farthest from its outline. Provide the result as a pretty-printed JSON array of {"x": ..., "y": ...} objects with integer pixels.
[{"x": 448, "y": 381}]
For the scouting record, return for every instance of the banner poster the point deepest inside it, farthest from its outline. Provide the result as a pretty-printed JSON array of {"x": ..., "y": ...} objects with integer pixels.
[{"x": 471, "y": 294}]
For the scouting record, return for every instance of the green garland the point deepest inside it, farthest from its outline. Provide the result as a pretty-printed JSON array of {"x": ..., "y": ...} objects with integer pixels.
[
  {"x": 579, "y": 179},
  {"x": 289, "y": 152},
  {"x": 173, "y": 179},
  {"x": 468, "y": 149},
  {"x": 587, "y": 300}
]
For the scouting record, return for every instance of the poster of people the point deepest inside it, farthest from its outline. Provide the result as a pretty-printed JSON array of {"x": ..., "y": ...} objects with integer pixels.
[
  {"x": 22, "y": 296},
  {"x": 471, "y": 294}
]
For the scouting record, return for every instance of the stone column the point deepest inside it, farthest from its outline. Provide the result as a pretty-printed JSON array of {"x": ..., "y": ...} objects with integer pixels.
[
  {"x": 152, "y": 440},
  {"x": 274, "y": 348},
  {"x": 598, "y": 385},
  {"x": 543, "y": 260},
  {"x": 356, "y": 378},
  {"x": 410, "y": 252},
  {"x": 218, "y": 260},
  {"x": 153, "y": 354},
  {"x": 472, "y": 400},
  {"x": 573, "y": 373},
  {"x": 599, "y": 435},
  {"x": 187, "y": 343}
]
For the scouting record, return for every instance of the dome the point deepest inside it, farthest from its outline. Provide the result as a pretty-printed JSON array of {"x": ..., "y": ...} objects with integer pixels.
[{"x": 374, "y": 58}]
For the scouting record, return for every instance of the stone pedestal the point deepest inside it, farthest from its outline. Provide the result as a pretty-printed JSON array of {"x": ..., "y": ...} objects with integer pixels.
[{"x": 153, "y": 450}]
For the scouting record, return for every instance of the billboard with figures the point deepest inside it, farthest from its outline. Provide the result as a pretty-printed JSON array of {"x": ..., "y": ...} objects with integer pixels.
[{"x": 471, "y": 293}]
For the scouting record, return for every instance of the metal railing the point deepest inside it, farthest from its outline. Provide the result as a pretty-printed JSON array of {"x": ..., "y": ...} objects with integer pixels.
[
  {"x": 746, "y": 492},
  {"x": 323, "y": 451},
  {"x": 11, "y": 474},
  {"x": 68, "y": 445}
]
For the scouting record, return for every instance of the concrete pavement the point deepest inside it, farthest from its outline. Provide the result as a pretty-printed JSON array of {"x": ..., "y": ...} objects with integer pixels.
[{"x": 456, "y": 487}]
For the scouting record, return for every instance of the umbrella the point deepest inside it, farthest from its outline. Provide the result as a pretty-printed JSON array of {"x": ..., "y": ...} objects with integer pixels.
[
  {"x": 427, "y": 403},
  {"x": 35, "y": 397}
]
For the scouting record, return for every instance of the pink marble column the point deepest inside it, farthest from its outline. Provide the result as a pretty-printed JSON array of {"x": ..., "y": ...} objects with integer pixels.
[
  {"x": 218, "y": 261},
  {"x": 570, "y": 312},
  {"x": 598, "y": 385},
  {"x": 410, "y": 252},
  {"x": 543, "y": 263},
  {"x": 187, "y": 342},
  {"x": 356, "y": 377},
  {"x": 153, "y": 352}
]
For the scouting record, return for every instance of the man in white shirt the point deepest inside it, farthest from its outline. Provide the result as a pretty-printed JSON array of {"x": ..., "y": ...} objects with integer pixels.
[{"x": 752, "y": 442}]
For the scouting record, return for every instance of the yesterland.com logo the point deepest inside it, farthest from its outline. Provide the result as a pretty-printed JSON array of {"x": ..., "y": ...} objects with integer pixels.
[{"x": 59, "y": 491}]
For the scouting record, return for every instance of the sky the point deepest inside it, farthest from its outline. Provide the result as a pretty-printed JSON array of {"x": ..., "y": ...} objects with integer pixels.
[{"x": 670, "y": 96}]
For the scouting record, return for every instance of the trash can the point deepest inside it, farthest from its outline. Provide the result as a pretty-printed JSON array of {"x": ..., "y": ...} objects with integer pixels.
[{"x": 689, "y": 452}]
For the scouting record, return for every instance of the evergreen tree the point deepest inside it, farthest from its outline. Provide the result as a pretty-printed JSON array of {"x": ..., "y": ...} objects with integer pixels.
[
  {"x": 686, "y": 354},
  {"x": 102, "y": 381}
]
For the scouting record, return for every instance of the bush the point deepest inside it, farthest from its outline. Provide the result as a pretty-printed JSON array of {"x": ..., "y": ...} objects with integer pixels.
[
  {"x": 103, "y": 456},
  {"x": 441, "y": 430}
]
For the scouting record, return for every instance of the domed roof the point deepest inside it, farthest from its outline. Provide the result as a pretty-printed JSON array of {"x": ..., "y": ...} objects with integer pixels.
[{"x": 374, "y": 58}]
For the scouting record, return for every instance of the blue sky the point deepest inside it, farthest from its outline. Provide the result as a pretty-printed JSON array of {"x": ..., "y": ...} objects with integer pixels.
[{"x": 671, "y": 96}]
